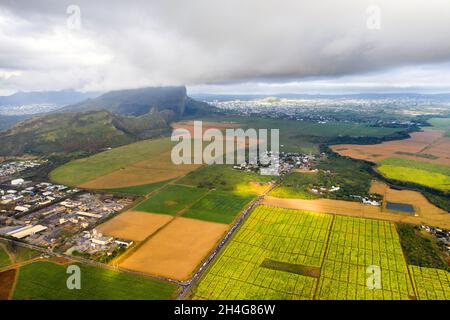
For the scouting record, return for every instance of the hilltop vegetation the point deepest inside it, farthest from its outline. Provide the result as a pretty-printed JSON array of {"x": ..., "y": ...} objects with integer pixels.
[
  {"x": 73, "y": 132},
  {"x": 113, "y": 119},
  {"x": 136, "y": 102}
]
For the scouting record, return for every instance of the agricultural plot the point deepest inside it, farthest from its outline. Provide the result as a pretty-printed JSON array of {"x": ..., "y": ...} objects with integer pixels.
[
  {"x": 177, "y": 250},
  {"x": 431, "y": 175},
  {"x": 4, "y": 258},
  {"x": 140, "y": 190},
  {"x": 7, "y": 279},
  {"x": 430, "y": 146},
  {"x": 291, "y": 237},
  {"x": 219, "y": 206},
  {"x": 224, "y": 177},
  {"x": 157, "y": 168},
  {"x": 17, "y": 253},
  {"x": 47, "y": 281},
  {"x": 441, "y": 124},
  {"x": 83, "y": 170},
  {"x": 141, "y": 163},
  {"x": 355, "y": 245},
  {"x": 134, "y": 225},
  {"x": 294, "y": 254},
  {"x": 427, "y": 212},
  {"x": 171, "y": 199},
  {"x": 305, "y": 136},
  {"x": 431, "y": 284}
]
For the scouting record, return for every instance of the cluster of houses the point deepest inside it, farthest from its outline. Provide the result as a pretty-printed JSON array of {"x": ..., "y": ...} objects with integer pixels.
[
  {"x": 280, "y": 163},
  {"x": 20, "y": 196},
  {"x": 47, "y": 214},
  {"x": 10, "y": 168},
  {"x": 369, "y": 201},
  {"x": 55, "y": 216},
  {"x": 320, "y": 190},
  {"x": 442, "y": 236}
]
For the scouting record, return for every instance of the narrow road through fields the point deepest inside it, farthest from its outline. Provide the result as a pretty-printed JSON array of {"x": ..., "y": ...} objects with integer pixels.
[{"x": 187, "y": 286}]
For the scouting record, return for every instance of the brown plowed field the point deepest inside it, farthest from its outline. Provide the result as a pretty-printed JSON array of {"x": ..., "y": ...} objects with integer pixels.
[
  {"x": 7, "y": 280},
  {"x": 134, "y": 225},
  {"x": 421, "y": 144},
  {"x": 176, "y": 250}
]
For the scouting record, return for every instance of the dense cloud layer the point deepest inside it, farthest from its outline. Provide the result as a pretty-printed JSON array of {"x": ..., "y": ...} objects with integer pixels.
[{"x": 315, "y": 43}]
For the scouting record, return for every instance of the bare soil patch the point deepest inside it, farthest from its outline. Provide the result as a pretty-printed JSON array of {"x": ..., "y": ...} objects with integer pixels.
[
  {"x": 423, "y": 144},
  {"x": 134, "y": 225},
  {"x": 176, "y": 250},
  {"x": 7, "y": 280}
]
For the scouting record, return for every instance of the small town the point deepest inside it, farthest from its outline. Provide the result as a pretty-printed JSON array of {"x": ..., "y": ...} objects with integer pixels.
[{"x": 55, "y": 216}]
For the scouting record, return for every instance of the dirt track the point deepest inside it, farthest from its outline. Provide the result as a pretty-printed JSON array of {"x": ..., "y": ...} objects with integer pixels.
[{"x": 134, "y": 225}]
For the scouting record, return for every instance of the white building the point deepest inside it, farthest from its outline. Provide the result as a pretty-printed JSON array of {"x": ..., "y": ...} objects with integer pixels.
[
  {"x": 17, "y": 182},
  {"x": 26, "y": 231},
  {"x": 102, "y": 240}
]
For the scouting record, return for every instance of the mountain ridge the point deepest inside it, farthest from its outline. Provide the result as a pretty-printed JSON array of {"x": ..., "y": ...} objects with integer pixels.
[{"x": 97, "y": 123}]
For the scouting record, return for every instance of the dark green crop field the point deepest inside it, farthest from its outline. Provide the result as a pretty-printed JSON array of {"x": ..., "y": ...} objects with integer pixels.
[{"x": 47, "y": 281}]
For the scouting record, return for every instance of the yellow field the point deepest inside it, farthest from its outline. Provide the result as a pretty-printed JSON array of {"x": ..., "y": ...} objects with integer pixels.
[
  {"x": 134, "y": 225},
  {"x": 177, "y": 250}
]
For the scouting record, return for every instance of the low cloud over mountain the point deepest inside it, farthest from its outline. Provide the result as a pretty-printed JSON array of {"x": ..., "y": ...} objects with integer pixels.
[{"x": 124, "y": 45}]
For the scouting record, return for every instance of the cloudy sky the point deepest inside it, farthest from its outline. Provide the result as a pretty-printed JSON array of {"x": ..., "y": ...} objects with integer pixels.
[{"x": 317, "y": 46}]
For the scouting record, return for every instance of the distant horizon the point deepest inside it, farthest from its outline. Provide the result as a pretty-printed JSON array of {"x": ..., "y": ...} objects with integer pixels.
[{"x": 247, "y": 93}]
